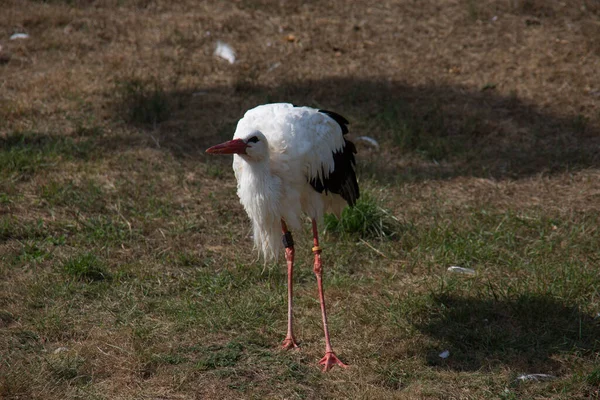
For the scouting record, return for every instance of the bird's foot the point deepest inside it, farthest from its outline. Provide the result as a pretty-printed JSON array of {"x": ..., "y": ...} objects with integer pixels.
[
  {"x": 331, "y": 360},
  {"x": 289, "y": 343}
]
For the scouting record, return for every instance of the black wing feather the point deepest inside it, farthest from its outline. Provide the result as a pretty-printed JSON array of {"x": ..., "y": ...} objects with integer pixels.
[
  {"x": 342, "y": 122},
  {"x": 342, "y": 180}
]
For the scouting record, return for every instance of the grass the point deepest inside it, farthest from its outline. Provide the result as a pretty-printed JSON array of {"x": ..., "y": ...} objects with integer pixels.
[
  {"x": 366, "y": 220},
  {"x": 126, "y": 265},
  {"x": 86, "y": 267},
  {"x": 88, "y": 198},
  {"x": 23, "y": 154},
  {"x": 430, "y": 133},
  {"x": 144, "y": 102}
]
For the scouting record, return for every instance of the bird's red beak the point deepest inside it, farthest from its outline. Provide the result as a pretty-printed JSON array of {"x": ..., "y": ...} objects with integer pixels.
[{"x": 235, "y": 146}]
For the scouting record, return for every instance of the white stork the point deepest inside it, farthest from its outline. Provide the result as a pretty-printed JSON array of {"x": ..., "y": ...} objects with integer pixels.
[{"x": 288, "y": 161}]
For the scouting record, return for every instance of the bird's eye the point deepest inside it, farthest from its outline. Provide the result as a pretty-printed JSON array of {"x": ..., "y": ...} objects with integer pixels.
[{"x": 253, "y": 139}]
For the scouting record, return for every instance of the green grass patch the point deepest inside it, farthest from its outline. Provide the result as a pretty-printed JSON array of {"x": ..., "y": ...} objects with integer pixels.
[
  {"x": 146, "y": 200},
  {"x": 170, "y": 359},
  {"x": 86, "y": 267},
  {"x": 392, "y": 375},
  {"x": 593, "y": 377},
  {"x": 22, "y": 154},
  {"x": 13, "y": 229},
  {"x": 187, "y": 259},
  {"x": 221, "y": 356},
  {"x": 5, "y": 199},
  {"x": 106, "y": 229},
  {"x": 87, "y": 196},
  {"x": 367, "y": 219},
  {"x": 214, "y": 170},
  {"x": 208, "y": 303},
  {"x": 33, "y": 252}
]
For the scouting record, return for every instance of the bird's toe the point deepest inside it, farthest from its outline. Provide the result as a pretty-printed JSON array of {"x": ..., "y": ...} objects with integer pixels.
[
  {"x": 289, "y": 343},
  {"x": 330, "y": 360}
]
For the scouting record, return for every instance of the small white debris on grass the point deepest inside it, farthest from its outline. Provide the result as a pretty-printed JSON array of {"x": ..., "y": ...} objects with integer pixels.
[
  {"x": 368, "y": 141},
  {"x": 445, "y": 354},
  {"x": 274, "y": 66},
  {"x": 535, "y": 377},
  {"x": 225, "y": 52},
  {"x": 461, "y": 270},
  {"x": 16, "y": 36},
  {"x": 60, "y": 350}
]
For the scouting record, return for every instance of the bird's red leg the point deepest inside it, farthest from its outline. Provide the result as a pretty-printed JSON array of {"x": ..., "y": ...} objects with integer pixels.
[
  {"x": 330, "y": 358},
  {"x": 288, "y": 242}
]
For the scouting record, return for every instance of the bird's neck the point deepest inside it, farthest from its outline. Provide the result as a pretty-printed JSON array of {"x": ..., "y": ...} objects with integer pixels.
[
  {"x": 257, "y": 186},
  {"x": 257, "y": 175},
  {"x": 260, "y": 194}
]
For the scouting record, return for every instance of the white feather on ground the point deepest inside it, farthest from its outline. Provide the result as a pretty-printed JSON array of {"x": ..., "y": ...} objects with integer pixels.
[
  {"x": 367, "y": 140},
  {"x": 225, "y": 51}
]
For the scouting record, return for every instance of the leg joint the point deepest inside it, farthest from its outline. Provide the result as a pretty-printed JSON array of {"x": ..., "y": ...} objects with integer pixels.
[{"x": 288, "y": 241}]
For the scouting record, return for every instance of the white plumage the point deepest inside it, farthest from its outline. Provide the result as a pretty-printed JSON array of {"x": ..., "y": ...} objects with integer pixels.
[{"x": 274, "y": 181}]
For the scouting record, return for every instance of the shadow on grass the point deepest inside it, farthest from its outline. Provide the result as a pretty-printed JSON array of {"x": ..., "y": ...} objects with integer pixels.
[
  {"x": 453, "y": 131},
  {"x": 529, "y": 334}
]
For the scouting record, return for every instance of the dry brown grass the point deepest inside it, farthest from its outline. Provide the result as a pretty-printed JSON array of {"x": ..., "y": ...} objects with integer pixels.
[{"x": 481, "y": 107}]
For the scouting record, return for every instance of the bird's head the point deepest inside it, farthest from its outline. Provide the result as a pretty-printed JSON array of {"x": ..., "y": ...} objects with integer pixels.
[{"x": 253, "y": 147}]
